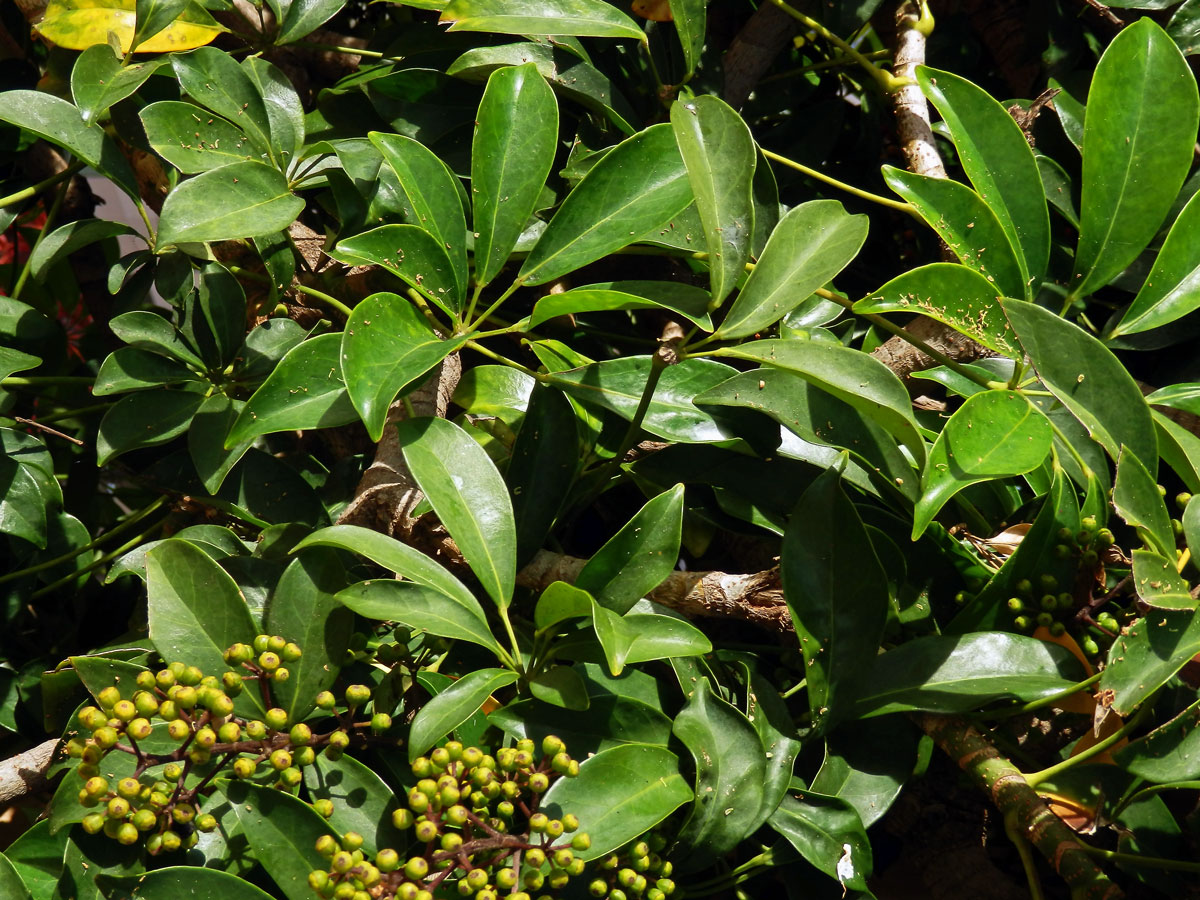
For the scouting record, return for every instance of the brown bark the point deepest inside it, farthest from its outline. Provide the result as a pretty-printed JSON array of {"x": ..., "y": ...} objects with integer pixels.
[
  {"x": 751, "y": 53},
  {"x": 26, "y": 772}
]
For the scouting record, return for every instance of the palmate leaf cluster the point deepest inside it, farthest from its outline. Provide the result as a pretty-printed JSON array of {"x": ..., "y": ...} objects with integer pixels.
[{"x": 656, "y": 319}]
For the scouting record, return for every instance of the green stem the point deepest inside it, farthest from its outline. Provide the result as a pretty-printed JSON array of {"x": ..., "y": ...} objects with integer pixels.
[
  {"x": 45, "y": 380},
  {"x": 1155, "y": 789},
  {"x": 1013, "y": 830},
  {"x": 842, "y": 186},
  {"x": 474, "y": 302},
  {"x": 329, "y": 301},
  {"x": 348, "y": 51},
  {"x": 887, "y": 82},
  {"x": 26, "y": 193},
  {"x": 1137, "y": 859},
  {"x": 832, "y": 63},
  {"x": 515, "y": 660},
  {"x": 512, "y": 289},
  {"x": 91, "y": 545},
  {"x": 47, "y": 224},
  {"x": 72, "y": 413},
  {"x": 96, "y": 563},
  {"x": 1044, "y": 702},
  {"x": 657, "y": 366},
  {"x": 746, "y": 870},
  {"x": 1035, "y": 778},
  {"x": 504, "y": 360}
]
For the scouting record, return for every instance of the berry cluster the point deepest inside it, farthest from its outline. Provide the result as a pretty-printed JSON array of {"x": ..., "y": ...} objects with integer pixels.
[
  {"x": 477, "y": 817},
  {"x": 197, "y": 711},
  {"x": 636, "y": 871}
]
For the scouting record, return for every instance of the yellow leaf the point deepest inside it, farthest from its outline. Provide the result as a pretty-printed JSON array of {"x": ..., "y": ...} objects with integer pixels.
[{"x": 78, "y": 24}]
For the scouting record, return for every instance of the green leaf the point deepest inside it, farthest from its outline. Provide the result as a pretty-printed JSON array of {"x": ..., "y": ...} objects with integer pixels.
[
  {"x": 1142, "y": 112},
  {"x": 996, "y": 157},
  {"x": 689, "y": 301},
  {"x": 1184, "y": 27},
  {"x": 60, "y": 123},
  {"x": 144, "y": 420},
  {"x": 850, "y": 375},
  {"x": 560, "y": 686},
  {"x": 1136, "y": 498},
  {"x": 153, "y": 16},
  {"x": 619, "y": 794},
  {"x": 968, "y": 226},
  {"x": 867, "y": 764},
  {"x": 98, "y": 79},
  {"x": 639, "y": 185},
  {"x": 829, "y": 834},
  {"x": 646, "y": 637},
  {"x": 837, "y": 593},
  {"x": 15, "y": 361},
  {"x": 1056, "y": 184},
  {"x": 150, "y": 331},
  {"x": 303, "y": 608},
  {"x": 214, "y": 79},
  {"x": 469, "y": 497},
  {"x": 282, "y": 832},
  {"x": 1147, "y": 654},
  {"x": 58, "y": 244},
  {"x": 609, "y": 721},
  {"x": 22, "y": 505},
  {"x": 618, "y": 384},
  {"x": 431, "y": 199},
  {"x": 302, "y": 17},
  {"x": 388, "y": 345},
  {"x": 180, "y": 881},
  {"x": 585, "y": 18},
  {"x": 730, "y": 772},
  {"x": 690, "y": 22},
  {"x": 304, "y": 391},
  {"x": 516, "y": 135},
  {"x": 559, "y": 602},
  {"x": 639, "y": 557},
  {"x": 963, "y": 672},
  {"x": 720, "y": 157},
  {"x": 453, "y": 706},
  {"x": 190, "y": 138},
  {"x": 206, "y": 440},
  {"x": 240, "y": 200},
  {"x": 362, "y": 801},
  {"x": 37, "y": 855},
  {"x": 1159, "y": 583},
  {"x": 11, "y": 884},
  {"x": 1171, "y": 752},
  {"x": 418, "y": 606},
  {"x": 81, "y": 24},
  {"x": 195, "y": 610},
  {"x": 1088, "y": 380},
  {"x": 410, "y": 253},
  {"x": 994, "y": 434},
  {"x": 819, "y": 418},
  {"x": 1172, "y": 289},
  {"x": 952, "y": 294},
  {"x": 542, "y": 468},
  {"x": 810, "y": 245}
]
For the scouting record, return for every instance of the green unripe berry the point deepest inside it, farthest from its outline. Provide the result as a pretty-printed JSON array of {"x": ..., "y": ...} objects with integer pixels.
[
  {"x": 344, "y": 891},
  {"x": 220, "y": 704},
  {"x": 1105, "y": 538},
  {"x": 191, "y": 676},
  {"x": 170, "y": 841},
  {"x": 573, "y": 769},
  {"x": 380, "y": 722},
  {"x": 554, "y": 828},
  {"x": 504, "y": 808},
  {"x": 576, "y": 867},
  {"x": 1062, "y": 551},
  {"x": 451, "y": 841},
  {"x": 341, "y": 862},
  {"x": 128, "y": 788},
  {"x": 326, "y": 845},
  {"x": 323, "y": 807},
  {"x": 533, "y": 879},
  {"x": 300, "y": 735},
  {"x": 1089, "y": 645},
  {"x": 352, "y": 841},
  {"x": 570, "y": 823},
  {"x": 118, "y": 808},
  {"x": 244, "y": 767},
  {"x": 1045, "y": 619},
  {"x": 105, "y": 737},
  {"x": 1023, "y": 623},
  {"x": 1048, "y": 582},
  {"x": 91, "y": 718},
  {"x": 206, "y": 823},
  {"x": 523, "y": 759},
  {"x": 1025, "y": 586},
  {"x": 96, "y": 787},
  {"x": 205, "y": 738},
  {"x": 317, "y": 880},
  {"x": 418, "y": 801},
  {"x": 291, "y": 777},
  {"x": 456, "y": 815},
  {"x": 1058, "y": 629},
  {"x": 581, "y": 842},
  {"x": 290, "y": 652},
  {"x": 626, "y": 877},
  {"x": 326, "y": 700},
  {"x": 558, "y": 880},
  {"x": 387, "y": 860},
  {"x": 402, "y": 818},
  {"x": 560, "y": 762},
  {"x": 537, "y": 822},
  {"x": 666, "y": 885},
  {"x": 598, "y": 888},
  {"x": 536, "y": 857},
  {"x": 476, "y": 879},
  {"x": 563, "y": 858},
  {"x": 261, "y": 643},
  {"x": 449, "y": 795},
  {"x": 275, "y": 643},
  {"x": 144, "y": 819},
  {"x": 108, "y": 697},
  {"x": 127, "y": 834},
  {"x": 426, "y": 831},
  {"x": 184, "y": 813},
  {"x": 186, "y": 697},
  {"x": 357, "y": 695},
  {"x": 539, "y": 782},
  {"x": 256, "y": 730},
  {"x": 276, "y": 719},
  {"x": 93, "y": 823},
  {"x": 124, "y": 710},
  {"x": 304, "y": 756},
  {"x": 421, "y": 767},
  {"x": 269, "y": 661},
  {"x": 145, "y": 703},
  {"x": 1049, "y": 602},
  {"x": 506, "y": 879},
  {"x": 416, "y": 868},
  {"x": 230, "y": 733},
  {"x": 641, "y": 864},
  {"x": 168, "y": 711},
  {"x": 280, "y": 760}
]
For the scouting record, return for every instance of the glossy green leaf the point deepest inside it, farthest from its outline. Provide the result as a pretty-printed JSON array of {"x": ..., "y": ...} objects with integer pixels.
[
  {"x": 810, "y": 245},
  {"x": 959, "y": 673},
  {"x": 153, "y": 16},
  {"x": 689, "y": 301},
  {"x": 968, "y": 226},
  {"x": 388, "y": 344},
  {"x": 1056, "y": 184},
  {"x": 559, "y": 602},
  {"x": 1171, "y": 752},
  {"x": 1191, "y": 525},
  {"x": 690, "y": 21},
  {"x": 1172, "y": 289},
  {"x": 720, "y": 157},
  {"x": 639, "y": 185},
  {"x": 619, "y": 794},
  {"x": 431, "y": 198},
  {"x": 206, "y": 440},
  {"x": 850, "y": 375},
  {"x": 144, "y": 420},
  {"x": 302, "y": 17},
  {"x": 98, "y": 80},
  {"x": 618, "y": 384},
  {"x": 1179, "y": 449},
  {"x": 22, "y": 504},
  {"x": 1147, "y": 654},
  {"x": 304, "y": 391},
  {"x": 819, "y": 418},
  {"x": 615, "y": 637},
  {"x": 214, "y": 79},
  {"x": 609, "y": 721},
  {"x": 11, "y": 884},
  {"x": 469, "y": 497},
  {"x": 867, "y": 764},
  {"x": 1088, "y": 380},
  {"x": 730, "y": 771},
  {"x": 829, "y": 834},
  {"x": 150, "y": 331},
  {"x": 996, "y": 157},
  {"x": 132, "y": 369},
  {"x": 418, "y": 606},
  {"x": 282, "y": 832},
  {"x": 560, "y": 686},
  {"x": 994, "y": 434},
  {"x": 60, "y": 123},
  {"x": 410, "y": 253},
  {"x": 453, "y": 706},
  {"x": 37, "y": 856},
  {"x": 1159, "y": 583},
  {"x": 639, "y": 557},
  {"x": 195, "y": 610},
  {"x": 15, "y": 361},
  {"x": 190, "y": 138},
  {"x": 59, "y": 243},
  {"x": 240, "y": 200},
  {"x": 303, "y": 608},
  {"x": 1184, "y": 27},
  {"x": 586, "y": 18},
  {"x": 175, "y": 882},
  {"x": 837, "y": 593},
  {"x": 516, "y": 135},
  {"x": 644, "y": 637},
  {"x": 1136, "y": 498},
  {"x": 543, "y": 465},
  {"x": 1142, "y": 112},
  {"x": 394, "y": 555},
  {"x": 955, "y": 295},
  {"x": 362, "y": 801}
]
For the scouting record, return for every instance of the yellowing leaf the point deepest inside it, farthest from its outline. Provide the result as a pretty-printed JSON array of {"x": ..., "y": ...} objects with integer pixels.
[{"x": 78, "y": 24}]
